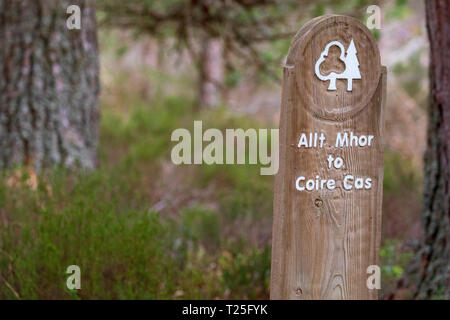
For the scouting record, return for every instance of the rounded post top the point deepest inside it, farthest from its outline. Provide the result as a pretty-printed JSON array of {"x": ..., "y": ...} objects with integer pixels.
[{"x": 336, "y": 64}]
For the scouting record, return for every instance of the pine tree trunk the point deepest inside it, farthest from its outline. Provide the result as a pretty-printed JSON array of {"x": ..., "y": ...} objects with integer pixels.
[
  {"x": 49, "y": 85},
  {"x": 211, "y": 73},
  {"x": 430, "y": 271}
]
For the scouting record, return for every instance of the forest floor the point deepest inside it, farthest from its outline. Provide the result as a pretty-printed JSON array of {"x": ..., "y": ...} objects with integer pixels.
[{"x": 141, "y": 227}]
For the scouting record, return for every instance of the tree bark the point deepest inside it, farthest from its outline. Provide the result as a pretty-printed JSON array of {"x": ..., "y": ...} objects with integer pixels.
[
  {"x": 49, "y": 85},
  {"x": 430, "y": 269}
]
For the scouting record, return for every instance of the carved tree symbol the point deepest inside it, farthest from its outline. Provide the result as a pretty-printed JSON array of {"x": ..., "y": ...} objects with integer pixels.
[{"x": 351, "y": 65}]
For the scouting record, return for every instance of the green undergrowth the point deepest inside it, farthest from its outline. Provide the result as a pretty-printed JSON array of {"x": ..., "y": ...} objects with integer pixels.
[
  {"x": 216, "y": 245},
  {"x": 103, "y": 222}
]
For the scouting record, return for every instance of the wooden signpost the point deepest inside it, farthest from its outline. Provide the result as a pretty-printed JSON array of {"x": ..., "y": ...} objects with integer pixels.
[{"x": 328, "y": 190}]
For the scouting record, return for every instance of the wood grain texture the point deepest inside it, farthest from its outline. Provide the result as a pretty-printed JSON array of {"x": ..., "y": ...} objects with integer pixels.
[{"x": 322, "y": 252}]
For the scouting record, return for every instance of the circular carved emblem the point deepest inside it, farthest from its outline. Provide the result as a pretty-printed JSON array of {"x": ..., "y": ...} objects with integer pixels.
[{"x": 337, "y": 66}]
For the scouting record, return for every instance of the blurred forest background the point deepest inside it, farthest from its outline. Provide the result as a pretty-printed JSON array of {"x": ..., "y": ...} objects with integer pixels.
[{"x": 141, "y": 227}]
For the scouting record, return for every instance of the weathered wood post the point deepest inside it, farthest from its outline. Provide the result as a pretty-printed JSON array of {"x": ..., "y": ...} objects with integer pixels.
[{"x": 328, "y": 190}]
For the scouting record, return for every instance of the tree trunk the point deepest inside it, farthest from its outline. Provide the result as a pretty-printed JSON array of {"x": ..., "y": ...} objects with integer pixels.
[
  {"x": 211, "y": 73},
  {"x": 430, "y": 269},
  {"x": 49, "y": 85}
]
